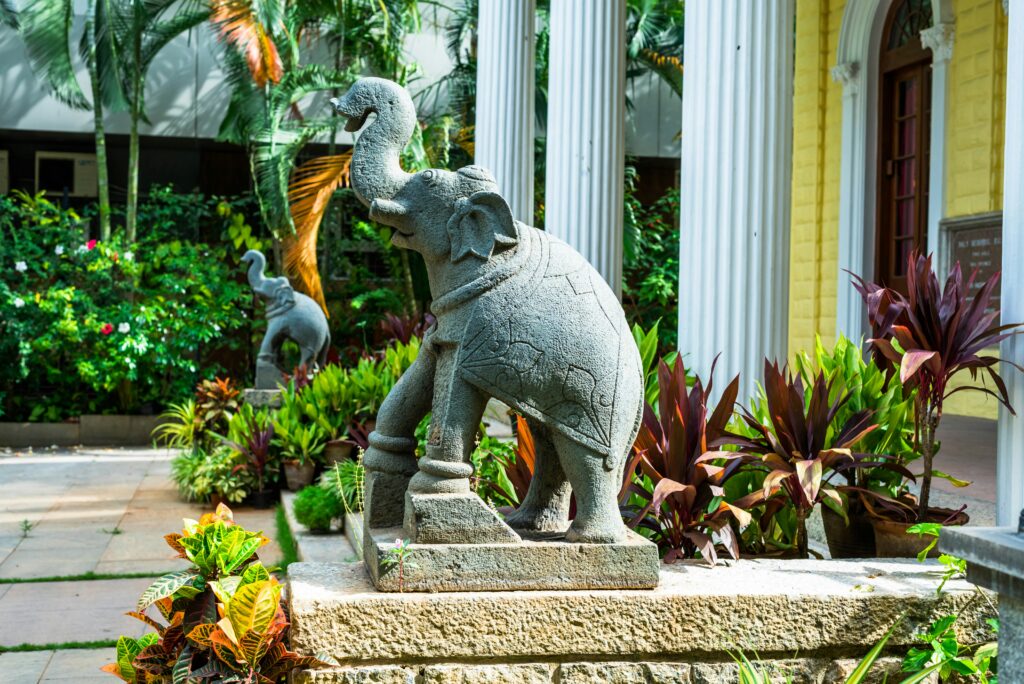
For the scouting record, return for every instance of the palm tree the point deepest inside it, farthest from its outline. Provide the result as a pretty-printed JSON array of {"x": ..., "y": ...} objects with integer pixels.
[
  {"x": 265, "y": 68},
  {"x": 141, "y": 32},
  {"x": 46, "y": 29}
]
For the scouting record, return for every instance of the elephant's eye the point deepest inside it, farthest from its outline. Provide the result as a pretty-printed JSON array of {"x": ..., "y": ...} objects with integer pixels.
[{"x": 429, "y": 175}]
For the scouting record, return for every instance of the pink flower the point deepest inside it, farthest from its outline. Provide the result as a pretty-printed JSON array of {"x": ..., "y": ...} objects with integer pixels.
[
  {"x": 107, "y": 327},
  {"x": 90, "y": 245}
]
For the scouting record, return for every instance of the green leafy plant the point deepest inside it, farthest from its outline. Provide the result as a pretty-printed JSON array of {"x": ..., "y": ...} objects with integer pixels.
[
  {"x": 225, "y": 618},
  {"x": 346, "y": 480},
  {"x": 932, "y": 335},
  {"x": 803, "y": 451},
  {"x": 941, "y": 652},
  {"x": 250, "y": 435},
  {"x": 317, "y": 507},
  {"x": 181, "y": 427},
  {"x": 678, "y": 476},
  {"x": 398, "y": 559},
  {"x": 867, "y": 388}
]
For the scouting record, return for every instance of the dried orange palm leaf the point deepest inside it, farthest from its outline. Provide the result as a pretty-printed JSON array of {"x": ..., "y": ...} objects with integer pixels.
[
  {"x": 309, "y": 193},
  {"x": 465, "y": 138},
  {"x": 240, "y": 26}
]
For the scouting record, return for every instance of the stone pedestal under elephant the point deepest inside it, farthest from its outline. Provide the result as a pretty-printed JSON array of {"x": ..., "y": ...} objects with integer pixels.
[
  {"x": 290, "y": 315},
  {"x": 520, "y": 316}
]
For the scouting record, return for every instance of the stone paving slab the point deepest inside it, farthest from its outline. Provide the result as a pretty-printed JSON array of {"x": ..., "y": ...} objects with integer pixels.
[
  {"x": 77, "y": 665},
  {"x": 58, "y": 612},
  {"x": 97, "y": 510}
]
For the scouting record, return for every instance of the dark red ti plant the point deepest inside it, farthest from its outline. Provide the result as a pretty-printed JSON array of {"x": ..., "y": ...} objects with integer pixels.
[
  {"x": 254, "y": 444},
  {"x": 803, "y": 451},
  {"x": 676, "y": 474},
  {"x": 931, "y": 335},
  {"x": 403, "y": 328}
]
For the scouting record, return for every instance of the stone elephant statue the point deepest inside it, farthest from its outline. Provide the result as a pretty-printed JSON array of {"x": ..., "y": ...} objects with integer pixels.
[
  {"x": 290, "y": 315},
  {"x": 520, "y": 316}
]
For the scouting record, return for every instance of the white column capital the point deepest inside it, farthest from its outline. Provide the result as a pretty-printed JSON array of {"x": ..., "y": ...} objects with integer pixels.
[
  {"x": 847, "y": 74},
  {"x": 939, "y": 39}
]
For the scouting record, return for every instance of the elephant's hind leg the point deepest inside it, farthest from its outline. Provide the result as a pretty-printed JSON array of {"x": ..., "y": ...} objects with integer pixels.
[
  {"x": 598, "y": 520},
  {"x": 546, "y": 505}
]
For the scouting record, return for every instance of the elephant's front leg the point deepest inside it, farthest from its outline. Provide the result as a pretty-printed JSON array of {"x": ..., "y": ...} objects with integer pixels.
[
  {"x": 390, "y": 459},
  {"x": 458, "y": 408}
]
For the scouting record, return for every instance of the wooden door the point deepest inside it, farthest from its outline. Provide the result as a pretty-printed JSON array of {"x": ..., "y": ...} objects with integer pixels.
[{"x": 904, "y": 120}]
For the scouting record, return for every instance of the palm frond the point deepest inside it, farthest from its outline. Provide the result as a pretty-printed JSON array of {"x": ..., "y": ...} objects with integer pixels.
[
  {"x": 46, "y": 30},
  {"x": 8, "y": 14},
  {"x": 247, "y": 26},
  {"x": 161, "y": 33},
  {"x": 100, "y": 43},
  {"x": 310, "y": 192}
]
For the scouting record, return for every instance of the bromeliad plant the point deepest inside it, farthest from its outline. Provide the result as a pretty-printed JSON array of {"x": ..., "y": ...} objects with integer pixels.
[
  {"x": 225, "y": 619},
  {"x": 677, "y": 477},
  {"x": 803, "y": 451},
  {"x": 932, "y": 335}
]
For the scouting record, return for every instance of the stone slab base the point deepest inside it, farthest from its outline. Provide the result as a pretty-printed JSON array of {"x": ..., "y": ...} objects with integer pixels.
[
  {"x": 258, "y": 398},
  {"x": 825, "y": 613},
  {"x": 796, "y": 670},
  {"x": 525, "y": 565}
]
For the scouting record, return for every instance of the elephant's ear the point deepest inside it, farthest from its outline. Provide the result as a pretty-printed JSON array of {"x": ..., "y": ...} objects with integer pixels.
[
  {"x": 479, "y": 221},
  {"x": 284, "y": 296}
]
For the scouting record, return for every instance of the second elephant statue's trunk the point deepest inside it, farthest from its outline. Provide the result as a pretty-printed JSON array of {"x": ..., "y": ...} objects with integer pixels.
[{"x": 376, "y": 162}]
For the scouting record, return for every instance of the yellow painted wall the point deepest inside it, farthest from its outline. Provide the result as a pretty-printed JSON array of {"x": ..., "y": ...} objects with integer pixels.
[
  {"x": 817, "y": 136},
  {"x": 974, "y": 155}
]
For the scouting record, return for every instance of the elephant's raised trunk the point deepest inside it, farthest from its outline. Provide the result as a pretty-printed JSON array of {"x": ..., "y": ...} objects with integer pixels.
[
  {"x": 256, "y": 268},
  {"x": 376, "y": 170}
]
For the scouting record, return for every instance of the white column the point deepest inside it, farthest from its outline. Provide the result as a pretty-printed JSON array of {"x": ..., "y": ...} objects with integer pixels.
[
  {"x": 735, "y": 183},
  {"x": 854, "y": 245},
  {"x": 505, "y": 99},
  {"x": 1010, "y": 453},
  {"x": 586, "y": 130},
  {"x": 938, "y": 39}
]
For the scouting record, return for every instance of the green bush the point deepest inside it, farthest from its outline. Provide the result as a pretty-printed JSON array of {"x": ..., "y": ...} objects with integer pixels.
[
  {"x": 316, "y": 507},
  {"x": 103, "y": 327}
]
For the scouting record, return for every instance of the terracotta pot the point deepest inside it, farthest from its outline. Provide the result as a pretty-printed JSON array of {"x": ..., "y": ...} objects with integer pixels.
[
  {"x": 892, "y": 540},
  {"x": 337, "y": 451},
  {"x": 265, "y": 499},
  {"x": 298, "y": 476},
  {"x": 856, "y": 540}
]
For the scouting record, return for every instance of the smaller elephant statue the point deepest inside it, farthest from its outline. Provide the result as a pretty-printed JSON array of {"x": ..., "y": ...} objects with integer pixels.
[{"x": 290, "y": 315}]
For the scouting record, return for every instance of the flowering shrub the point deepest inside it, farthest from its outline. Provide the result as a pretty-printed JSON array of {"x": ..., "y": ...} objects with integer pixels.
[{"x": 99, "y": 327}]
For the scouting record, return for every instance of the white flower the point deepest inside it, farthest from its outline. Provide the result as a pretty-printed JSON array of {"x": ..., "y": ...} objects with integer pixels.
[
  {"x": 123, "y": 328},
  {"x": 81, "y": 248},
  {"x": 59, "y": 250},
  {"x": 216, "y": 328},
  {"x": 129, "y": 255},
  {"x": 18, "y": 302},
  {"x": 21, "y": 267}
]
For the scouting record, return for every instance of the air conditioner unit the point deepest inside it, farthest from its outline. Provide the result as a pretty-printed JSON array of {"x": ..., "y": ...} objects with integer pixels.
[
  {"x": 5, "y": 174},
  {"x": 58, "y": 173}
]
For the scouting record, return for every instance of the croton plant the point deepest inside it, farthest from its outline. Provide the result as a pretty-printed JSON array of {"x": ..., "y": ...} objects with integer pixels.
[{"x": 225, "y": 621}]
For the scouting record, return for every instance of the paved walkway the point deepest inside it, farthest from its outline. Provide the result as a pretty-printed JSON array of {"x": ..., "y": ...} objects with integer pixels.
[
  {"x": 80, "y": 666},
  {"x": 68, "y": 512}
]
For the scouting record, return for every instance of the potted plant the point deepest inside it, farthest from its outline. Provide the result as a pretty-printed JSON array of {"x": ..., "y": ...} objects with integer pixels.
[
  {"x": 674, "y": 479},
  {"x": 331, "y": 405},
  {"x": 301, "y": 445},
  {"x": 316, "y": 508},
  {"x": 867, "y": 388},
  {"x": 931, "y": 336},
  {"x": 802, "y": 451},
  {"x": 250, "y": 434}
]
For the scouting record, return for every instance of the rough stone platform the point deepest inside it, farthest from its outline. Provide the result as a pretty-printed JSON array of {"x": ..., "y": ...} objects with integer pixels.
[
  {"x": 535, "y": 565},
  {"x": 810, "y": 619}
]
